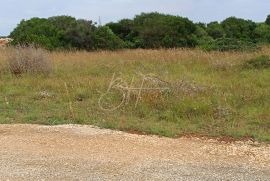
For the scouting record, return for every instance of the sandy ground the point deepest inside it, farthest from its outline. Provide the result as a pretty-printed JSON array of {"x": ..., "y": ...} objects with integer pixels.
[{"x": 70, "y": 152}]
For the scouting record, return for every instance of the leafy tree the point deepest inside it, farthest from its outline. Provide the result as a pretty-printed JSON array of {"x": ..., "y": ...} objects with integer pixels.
[
  {"x": 239, "y": 28},
  {"x": 201, "y": 25},
  {"x": 267, "y": 21},
  {"x": 104, "y": 38},
  {"x": 262, "y": 33},
  {"x": 201, "y": 34},
  {"x": 36, "y": 31},
  {"x": 123, "y": 29},
  {"x": 159, "y": 30},
  {"x": 65, "y": 32},
  {"x": 215, "y": 30},
  {"x": 80, "y": 35},
  {"x": 63, "y": 23}
]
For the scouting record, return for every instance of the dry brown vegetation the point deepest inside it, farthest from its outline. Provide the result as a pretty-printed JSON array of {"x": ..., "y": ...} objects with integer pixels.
[{"x": 30, "y": 60}]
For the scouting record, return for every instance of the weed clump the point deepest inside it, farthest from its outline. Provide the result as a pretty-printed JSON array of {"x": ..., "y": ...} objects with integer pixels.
[
  {"x": 31, "y": 60},
  {"x": 260, "y": 62}
]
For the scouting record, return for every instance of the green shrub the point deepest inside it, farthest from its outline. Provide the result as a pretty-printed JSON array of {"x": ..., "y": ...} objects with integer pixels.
[
  {"x": 267, "y": 21},
  {"x": 258, "y": 63},
  {"x": 65, "y": 32},
  {"x": 238, "y": 28},
  {"x": 105, "y": 39},
  {"x": 229, "y": 44}
]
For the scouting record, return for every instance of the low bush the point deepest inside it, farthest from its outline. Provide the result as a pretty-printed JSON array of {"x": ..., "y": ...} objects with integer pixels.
[
  {"x": 229, "y": 44},
  {"x": 29, "y": 59},
  {"x": 260, "y": 62}
]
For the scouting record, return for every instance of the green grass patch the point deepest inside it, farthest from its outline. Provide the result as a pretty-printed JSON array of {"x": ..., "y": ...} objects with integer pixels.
[{"x": 208, "y": 94}]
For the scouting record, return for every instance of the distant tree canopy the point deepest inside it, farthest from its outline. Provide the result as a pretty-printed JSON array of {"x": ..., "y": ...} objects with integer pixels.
[
  {"x": 215, "y": 30},
  {"x": 154, "y": 30},
  {"x": 65, "y": 32},
  {"x": 157, "y": 30},
  {"x": 147, "y": 30},
  {"x": 267, "y": 21},
  {"x": 239, "y": 28},
  {"x": 262, "y": 33}
]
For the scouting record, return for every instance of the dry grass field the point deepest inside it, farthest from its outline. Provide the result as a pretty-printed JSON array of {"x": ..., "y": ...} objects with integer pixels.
[{"x": 165, "y": 92}]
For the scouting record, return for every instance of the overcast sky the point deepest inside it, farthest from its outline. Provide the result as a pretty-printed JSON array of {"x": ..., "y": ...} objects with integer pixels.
[{"x": 12, "y": 11}]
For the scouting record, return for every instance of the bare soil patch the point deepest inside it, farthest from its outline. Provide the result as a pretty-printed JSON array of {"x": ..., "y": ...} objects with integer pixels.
[{"x": 71, "y": 152}]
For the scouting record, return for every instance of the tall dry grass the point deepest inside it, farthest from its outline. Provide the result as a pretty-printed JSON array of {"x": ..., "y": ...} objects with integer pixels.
[
  {"x": 31, "y": 60},
  {"x": 167, "y": 55}
]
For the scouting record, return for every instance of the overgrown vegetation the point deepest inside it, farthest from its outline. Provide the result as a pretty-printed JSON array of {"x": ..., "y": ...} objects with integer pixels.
[
  {"x": 167, "y": 92},
  {"x": 260, "y": 62},
  {"x": 64, "y": 32},
  {"x": 211, "y": 94},
  {"x": 30, "y": 60},
  {"x": 229, "y": 44},
  {"x": 147, "y": 30}
]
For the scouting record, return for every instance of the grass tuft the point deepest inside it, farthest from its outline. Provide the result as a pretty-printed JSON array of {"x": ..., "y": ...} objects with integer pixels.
[{"x": 29, "y": 60}]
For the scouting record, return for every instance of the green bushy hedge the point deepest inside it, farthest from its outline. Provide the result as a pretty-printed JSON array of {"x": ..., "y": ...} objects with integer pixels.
[
  {"x": 147, "y": 30},
  {"x": 229, "y": 44}
]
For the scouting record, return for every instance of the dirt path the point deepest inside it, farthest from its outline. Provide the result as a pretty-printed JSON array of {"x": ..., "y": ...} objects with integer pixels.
[{"x": 31, "y": 152}]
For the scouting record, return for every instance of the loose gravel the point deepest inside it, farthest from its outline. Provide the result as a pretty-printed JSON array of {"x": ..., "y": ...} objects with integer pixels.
[{"x": 73, "y": 152}]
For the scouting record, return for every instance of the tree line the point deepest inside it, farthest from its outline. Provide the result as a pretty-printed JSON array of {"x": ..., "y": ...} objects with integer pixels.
[{"x": 147, "y": 30}]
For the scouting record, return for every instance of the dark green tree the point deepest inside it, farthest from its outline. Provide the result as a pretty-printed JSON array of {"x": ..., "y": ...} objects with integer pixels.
[
  {"x": 202, "y": 36},
  {"x": 37, "y": 31},
  {"x": 80, "y": 35},
  {"x": 65, "y": 32},
  {"x": 262, "y": 33},
  {"x": 123, "y": 29},
  {"x": 239, "y": 28},
  {"x": 159, "y": 30},
  {"x": 267, "y": 21},
  {"x": 104, "y": 38},
  {"x": 215, "y": 30}
]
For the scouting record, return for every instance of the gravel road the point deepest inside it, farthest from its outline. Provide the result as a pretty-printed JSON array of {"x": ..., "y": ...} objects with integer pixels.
[{"x": 72, "y": 152}]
